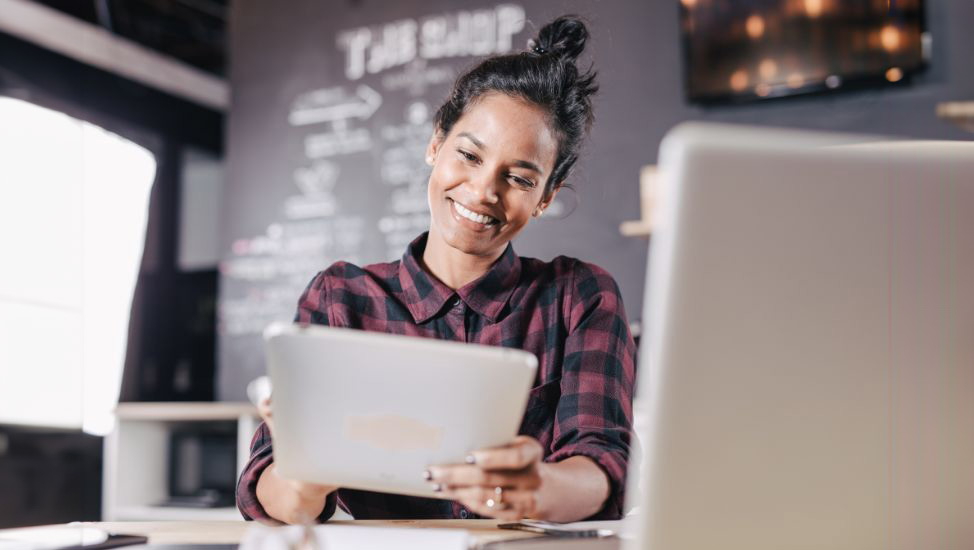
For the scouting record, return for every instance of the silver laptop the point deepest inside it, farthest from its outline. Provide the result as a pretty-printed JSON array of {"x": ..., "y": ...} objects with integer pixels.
[
  {"x": 807, "y": 379},
  {"x": 372, "y": 411}
]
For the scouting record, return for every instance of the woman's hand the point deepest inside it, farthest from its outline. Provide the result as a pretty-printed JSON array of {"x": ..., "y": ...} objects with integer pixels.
[
  {"x": 502, "y": 482},
  {"x": 264, "y": 410},
  {"x": 288, "y": 500}
]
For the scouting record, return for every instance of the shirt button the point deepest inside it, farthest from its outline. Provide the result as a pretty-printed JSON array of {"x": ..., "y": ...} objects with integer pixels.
[
  {"x": 463, "y": 514},
  {"x": 455, "y": 301}
]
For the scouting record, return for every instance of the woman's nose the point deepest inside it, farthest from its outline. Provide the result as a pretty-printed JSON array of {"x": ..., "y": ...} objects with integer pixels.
[{"x": 485, "y": 188}]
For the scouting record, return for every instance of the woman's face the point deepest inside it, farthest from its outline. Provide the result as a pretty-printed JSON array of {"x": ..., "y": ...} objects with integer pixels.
[{"x": 489, "y": 173}]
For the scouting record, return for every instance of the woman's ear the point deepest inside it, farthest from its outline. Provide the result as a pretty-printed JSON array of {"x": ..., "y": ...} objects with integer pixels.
[
  {"x": 546, "y": 201},
  {"x": 433, "y": 147}
]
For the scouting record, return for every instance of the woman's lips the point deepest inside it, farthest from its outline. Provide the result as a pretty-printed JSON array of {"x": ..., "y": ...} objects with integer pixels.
[{"x": 470, "y": 218}]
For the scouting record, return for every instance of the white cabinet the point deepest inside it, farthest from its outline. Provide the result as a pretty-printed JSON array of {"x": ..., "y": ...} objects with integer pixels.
[{"x": 136, "y": 462}]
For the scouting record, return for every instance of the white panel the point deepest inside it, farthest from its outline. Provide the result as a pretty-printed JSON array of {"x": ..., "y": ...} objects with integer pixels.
[
  {"x": 117, "y": 176},
  {"x": 73, "y": 205},
  {"x": 40, "y": 366},
  {"x": 40, "y": 205},
  {"x": 199, "y": 210},
  {"x": 142, "y": 466}
]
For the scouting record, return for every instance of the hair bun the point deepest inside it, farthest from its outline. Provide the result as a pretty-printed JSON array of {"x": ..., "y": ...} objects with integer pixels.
[{"x": 564, "y": 37}]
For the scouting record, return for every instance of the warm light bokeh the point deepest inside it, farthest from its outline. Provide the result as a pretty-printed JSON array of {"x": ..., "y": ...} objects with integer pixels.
[
  {"x": 738, "y": 80},
  {"x": 768, "y": 68},
  {"x": 890, "y": 38},
  {"x": 754, "y": 26},
  {"x": 894, "y": 74},
  {"x": 814, "y": 8}
]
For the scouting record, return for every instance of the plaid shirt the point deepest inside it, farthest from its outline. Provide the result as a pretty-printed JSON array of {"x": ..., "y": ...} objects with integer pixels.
[{"x": 567, "y": 312}]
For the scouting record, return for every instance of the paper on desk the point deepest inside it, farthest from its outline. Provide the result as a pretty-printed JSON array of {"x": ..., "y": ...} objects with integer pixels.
[
  {"x": 351, "y": 537},
  {"x": 51, "y": 537}
]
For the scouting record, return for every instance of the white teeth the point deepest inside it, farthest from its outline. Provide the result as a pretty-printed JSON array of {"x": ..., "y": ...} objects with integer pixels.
[{"x": 472, "y": 216}]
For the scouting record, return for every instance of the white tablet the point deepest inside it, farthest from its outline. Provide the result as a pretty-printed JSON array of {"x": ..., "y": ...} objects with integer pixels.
[{"x": 372, "y": 411}]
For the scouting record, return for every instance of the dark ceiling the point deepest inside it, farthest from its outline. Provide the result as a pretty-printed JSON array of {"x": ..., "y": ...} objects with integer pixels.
[{"x": 193, "y": 31}]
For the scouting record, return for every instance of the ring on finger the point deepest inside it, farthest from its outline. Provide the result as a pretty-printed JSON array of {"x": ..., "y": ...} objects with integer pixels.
[{"x": 496, "y": 501}]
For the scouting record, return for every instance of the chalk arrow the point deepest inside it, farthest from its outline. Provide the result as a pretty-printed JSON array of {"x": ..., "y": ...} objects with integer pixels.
[{"x": 362, "y": 105}]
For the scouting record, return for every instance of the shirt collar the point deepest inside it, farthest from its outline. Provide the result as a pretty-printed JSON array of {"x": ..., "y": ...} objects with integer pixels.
[{"x": 425, "y": 295}]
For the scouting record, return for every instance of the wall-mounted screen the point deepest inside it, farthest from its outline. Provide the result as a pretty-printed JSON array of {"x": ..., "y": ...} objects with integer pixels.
[{"x": 748, "y": 50}]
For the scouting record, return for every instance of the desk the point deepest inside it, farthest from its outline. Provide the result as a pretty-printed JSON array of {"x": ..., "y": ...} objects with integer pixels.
[{"x": 482, "y": 531}]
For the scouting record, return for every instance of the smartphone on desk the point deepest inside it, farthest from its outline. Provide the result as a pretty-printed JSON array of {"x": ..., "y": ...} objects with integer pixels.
[{"x": 557, "y": 529}]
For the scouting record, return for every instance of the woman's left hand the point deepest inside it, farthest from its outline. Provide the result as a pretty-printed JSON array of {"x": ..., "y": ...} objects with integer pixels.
[{"x": 501, "y": 482}]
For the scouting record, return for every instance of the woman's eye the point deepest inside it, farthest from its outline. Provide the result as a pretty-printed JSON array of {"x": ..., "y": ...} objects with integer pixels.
[
  {"x": 467, "y": 156},
  {"x": 522, "y": 182}
]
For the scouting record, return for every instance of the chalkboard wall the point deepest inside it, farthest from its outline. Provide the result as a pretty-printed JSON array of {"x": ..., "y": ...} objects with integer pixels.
[{"x": 332, "y": 106}]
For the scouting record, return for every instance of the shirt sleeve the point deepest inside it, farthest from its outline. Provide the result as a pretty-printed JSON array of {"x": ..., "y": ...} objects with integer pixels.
[
  {"x": 262, "y": 456},
  {"x": 310, "y": 310},
  {"x": 594, "y": 413},
  {"x": 313, "y": 304}
]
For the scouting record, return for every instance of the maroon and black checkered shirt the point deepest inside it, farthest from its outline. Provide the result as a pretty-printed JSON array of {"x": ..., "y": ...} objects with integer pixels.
[{"x": 567, "y": 312}]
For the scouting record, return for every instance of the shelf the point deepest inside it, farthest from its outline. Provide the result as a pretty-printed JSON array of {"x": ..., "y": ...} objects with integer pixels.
[
  {"x": 183, "y": 411},
  {"x": 648, "y": 190},
  {"x": 168, "y": 513},
  {"x": 635, "y": 228},
  {"x": 960, "y": 113},
  {"x": 136, "y": 465}
]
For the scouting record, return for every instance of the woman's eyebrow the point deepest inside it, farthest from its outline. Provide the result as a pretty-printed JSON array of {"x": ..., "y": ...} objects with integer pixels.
[
  {"x": 529, "y": 165},
  {"x": 519, "y": 163},
  {"x": 477, "y": 142}
]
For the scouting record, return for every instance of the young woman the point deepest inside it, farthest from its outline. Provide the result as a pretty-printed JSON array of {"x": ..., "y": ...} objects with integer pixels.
[{"x": 503, "y": 145}]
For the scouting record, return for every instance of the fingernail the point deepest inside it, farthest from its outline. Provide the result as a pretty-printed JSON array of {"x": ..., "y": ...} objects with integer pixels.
[
  {"x": 427, "y": 475},
  {"x": 470, "y": 459},
  {"x": 437, "y": 488}
]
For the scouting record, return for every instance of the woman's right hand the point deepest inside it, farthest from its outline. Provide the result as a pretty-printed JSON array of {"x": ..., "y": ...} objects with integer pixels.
[
  {"x": 264, "y": 410},
  {"x": 288, "y": 500}
]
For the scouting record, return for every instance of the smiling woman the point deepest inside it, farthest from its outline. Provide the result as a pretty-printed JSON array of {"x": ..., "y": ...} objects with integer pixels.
[
  {"x": 488, "y": 180},
  {"x": 503, "y": 145}
]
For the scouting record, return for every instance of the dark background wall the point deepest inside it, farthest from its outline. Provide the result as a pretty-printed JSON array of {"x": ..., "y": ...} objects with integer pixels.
[{"x": 279, "y": 55}]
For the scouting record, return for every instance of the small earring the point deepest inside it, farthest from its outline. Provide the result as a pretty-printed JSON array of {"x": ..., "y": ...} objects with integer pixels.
[
  {"x": 429, "y": 161},
  {"x": 538, "y": 212}
]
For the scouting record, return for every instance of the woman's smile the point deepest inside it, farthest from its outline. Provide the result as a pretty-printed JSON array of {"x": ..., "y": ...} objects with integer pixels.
[{"x": 471, "y": 219}]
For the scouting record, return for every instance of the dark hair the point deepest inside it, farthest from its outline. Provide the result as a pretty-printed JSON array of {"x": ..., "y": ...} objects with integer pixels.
[{"x": 545, "y": 74}]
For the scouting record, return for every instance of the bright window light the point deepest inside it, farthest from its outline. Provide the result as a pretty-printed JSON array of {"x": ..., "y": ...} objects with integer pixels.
[{"x": 73, "y": 208}]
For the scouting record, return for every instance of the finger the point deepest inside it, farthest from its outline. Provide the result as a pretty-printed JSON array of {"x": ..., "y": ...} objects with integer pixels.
[
  {"x": 465, "y": 475},
  {"x": 474, "y": 476},
  {"x": 524, "y": 501},
  {"x": 264, "y": 408},
  {"x": 511, "y": 505},
  {"x": 523, "y": 452}
]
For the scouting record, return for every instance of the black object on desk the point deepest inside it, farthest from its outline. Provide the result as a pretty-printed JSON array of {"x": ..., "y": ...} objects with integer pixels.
[
  {"x": 557, "y": 543},
  {"x": 556, "y": 530},
  {"x": 558, "y": 537},
  {"x": 113, "y": 541}
]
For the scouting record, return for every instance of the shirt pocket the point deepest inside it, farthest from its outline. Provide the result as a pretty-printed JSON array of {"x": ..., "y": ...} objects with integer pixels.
[{"x": 539, "y": 416}]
